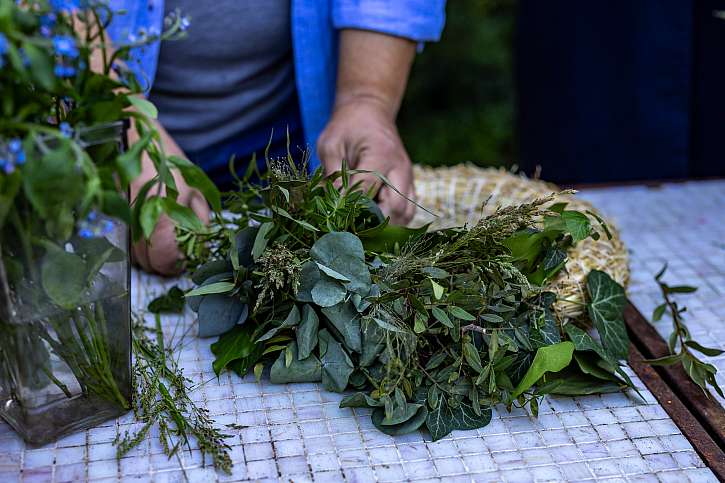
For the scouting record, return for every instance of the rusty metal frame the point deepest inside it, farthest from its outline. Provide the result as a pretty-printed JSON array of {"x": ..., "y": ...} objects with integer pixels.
[{"x": 700, "y": 418}]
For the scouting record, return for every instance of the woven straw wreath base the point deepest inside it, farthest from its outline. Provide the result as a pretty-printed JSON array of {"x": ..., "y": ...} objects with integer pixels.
[{"x": 457, "y": 195}]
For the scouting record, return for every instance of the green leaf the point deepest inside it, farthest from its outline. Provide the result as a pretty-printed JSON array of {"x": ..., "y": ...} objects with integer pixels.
[
  {"x": 151, "y": 210},
  {"x": 681, "y": 289},
  {"x": 171, "y": 302},
  {"x": 444, "y": 419},
  {"x": 705, "y": 350},
  {"x": 292, "y": 319},
  {"x": 299, "y": 370},
  {"x": 577, "y": 224},
  {"x": 659, "y": 312},
  {"x": 307, "y": 332},
  {"x": 373, "y": 341},
  {"x": 388, "y": 326},
  {"x": 129, "y": 161},
  {"x": 327, "y": 291},
  {"x": 183, "y": 216},
  {"x": 437, "y": 289},
  {"x": 552, "y": 358},
  {"x": 343, "y": 252},
  {"x": 459, "y": 313},
  {"x": 261, "y": 240},
  {"x": 574, "y": 383},
  {"x": 196, "y": 178},
  {"x": 442, "y": 317},
  {"x": 472, "y": 357},
  {"x": 346, "y": 320},
  {"x": 41, "y": 67},
  {"x": 234, "y": 345},
  {"x": 411, "y": 424},
  {"x": 606, "y": 309},
  {"x": 583, "y": 341},
  {"x": 386, "y": 237},
  {"x": 666, "y": 360},
  {"x": 332, "y": 273},
  {"x": 595, "y": 366},
  {"x": 360, "y": 400},
  {"x": 216, "y": 287},
  {"x": 309, "y": 276},
  {"x": 336, "y": 364},
  {"x": 143, "y": 106},
  {"x": 213, "y": 267},
  {"x": 63, "y": 275},
  {"x": 219, "y": 313}
]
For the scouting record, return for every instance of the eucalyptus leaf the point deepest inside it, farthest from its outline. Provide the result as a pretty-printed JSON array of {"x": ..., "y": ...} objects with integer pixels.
[
  {"x": 309, "y": 276},
  {"x": 218, "y": 313},
  {"x": 299, "y": 370},
  {"x": 327, "y": 291},
  {"x": 292, "y": 319},
  {"x": 408, "y": 426},
  {"x": 343, "y": 252},
  {"x": 336, "y": 364},
  {"x": 346, "y": 320},
  {"x": 307, "y": 332}
]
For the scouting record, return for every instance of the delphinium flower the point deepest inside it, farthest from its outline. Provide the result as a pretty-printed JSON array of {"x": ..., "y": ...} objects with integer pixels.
[
  {"x": 94, "y": 226},
  {"x": 11, "y": 155},
  {"x": 65, "y": 48}
]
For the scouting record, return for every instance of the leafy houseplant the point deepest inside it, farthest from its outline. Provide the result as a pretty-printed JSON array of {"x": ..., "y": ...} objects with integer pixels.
[
  {"x": 65, "y": 217},
  {"x": 428, "y": 329}
]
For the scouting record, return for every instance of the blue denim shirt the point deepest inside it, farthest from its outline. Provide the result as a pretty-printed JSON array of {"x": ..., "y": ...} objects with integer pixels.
[{"x": 314, "y": 41}]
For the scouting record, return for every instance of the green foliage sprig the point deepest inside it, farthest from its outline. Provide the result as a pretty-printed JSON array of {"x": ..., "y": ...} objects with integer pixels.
[
  {"x": 680, "y": 342},
  {"x": 162, "y": 398},
  {"x": 430, "y": 329}
]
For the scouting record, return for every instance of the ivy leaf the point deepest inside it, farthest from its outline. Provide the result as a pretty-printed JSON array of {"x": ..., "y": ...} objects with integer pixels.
[
  {"x": 583, "y": 341},
  {"x": 307, "y": 332},
  {"x": 577, "y": 224},
  {"x": 444, "y": 419},
  {"x": 552, "y": 358},
  {"x": 336, "y": 364},
  {"x": 171, "y": 302},
  {"x": 606, "y": 309},
  {"x": 346, "y": 320},
  {"x": 572, "y": 382},
  {"x": 234, "y": 345},
  {"x": 299, "y": 370}
]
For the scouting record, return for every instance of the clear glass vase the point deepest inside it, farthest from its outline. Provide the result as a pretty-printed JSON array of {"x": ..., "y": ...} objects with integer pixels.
[{"x": 65, "y": 331}]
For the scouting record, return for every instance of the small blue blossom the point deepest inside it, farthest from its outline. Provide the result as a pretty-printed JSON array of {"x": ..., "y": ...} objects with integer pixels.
[
  {"x": 184, "y": 23},
  {"x": 65, "y": 45},
  {"x": 65, "y": 129},
  {"x": 15, "y": 145},
  {"x": 95, "y": 226},
  {"x": 63, "y": 71},
  {"x": 3, "y": 48},
  {"x": 64, "y": 5}
]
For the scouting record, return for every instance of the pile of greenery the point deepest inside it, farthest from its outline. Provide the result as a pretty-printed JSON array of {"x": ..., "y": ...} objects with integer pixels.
[{"x": 430, "y": 329}]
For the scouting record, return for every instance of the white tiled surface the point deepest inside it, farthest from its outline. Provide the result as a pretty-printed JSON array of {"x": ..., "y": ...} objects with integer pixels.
[{"x": 297, "y": 432}]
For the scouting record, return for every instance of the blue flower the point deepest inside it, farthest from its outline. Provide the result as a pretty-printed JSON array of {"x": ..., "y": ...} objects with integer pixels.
[
  {"x": 85, "y": 233},
  {"x": 65, "y": 45},
  {"x": 64, "y": 5},
  {"x": 15, "y": 145},
  {"x": 3, "y": 44},
  {"x": 184, "y": 23},
  {"x": 65, "y": 129},
  {"x": 92, "y": 216},
  {"x": 94, "y": 225},
  {"x": 64, "y": 71}
]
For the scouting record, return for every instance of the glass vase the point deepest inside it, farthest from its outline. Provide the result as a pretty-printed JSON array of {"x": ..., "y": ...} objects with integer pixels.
[{"x": 65, "y": 331}]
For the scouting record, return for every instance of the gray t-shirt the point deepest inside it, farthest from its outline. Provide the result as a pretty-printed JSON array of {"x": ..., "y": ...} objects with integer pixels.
[{"x": 233, "y": 71}]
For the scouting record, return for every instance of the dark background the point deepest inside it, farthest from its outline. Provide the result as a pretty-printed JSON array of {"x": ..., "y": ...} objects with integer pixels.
[{"x": 592, "y": 92}]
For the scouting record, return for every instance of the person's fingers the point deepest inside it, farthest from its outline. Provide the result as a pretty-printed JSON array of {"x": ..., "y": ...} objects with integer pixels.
[
  {"x": 163, "y": 253},
  {"x": 139, "y": 255},
  {"x": 199, "y": 205},
  {"x": 392, "y": 202},
  {"x": 331, "y": 151}
]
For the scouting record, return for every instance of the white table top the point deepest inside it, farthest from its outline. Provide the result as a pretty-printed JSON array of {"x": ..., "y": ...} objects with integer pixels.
[{"x": 297, "y": 433}]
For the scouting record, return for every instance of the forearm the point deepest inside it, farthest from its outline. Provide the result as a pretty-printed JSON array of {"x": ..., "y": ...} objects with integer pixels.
[{"x": 373, "y": 67}]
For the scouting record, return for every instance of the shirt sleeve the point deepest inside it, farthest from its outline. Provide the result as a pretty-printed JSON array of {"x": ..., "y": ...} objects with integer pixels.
[{"x": 418, "y": 20}]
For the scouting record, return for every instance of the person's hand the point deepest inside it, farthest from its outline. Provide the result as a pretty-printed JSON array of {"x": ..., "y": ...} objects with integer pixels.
[
  {"x": 160, "y": 254},
  {"x": 362, "y": 131}
]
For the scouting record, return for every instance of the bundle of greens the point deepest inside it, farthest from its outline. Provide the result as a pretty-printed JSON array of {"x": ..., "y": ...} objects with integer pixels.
[{"x": 429, "y": 329}]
